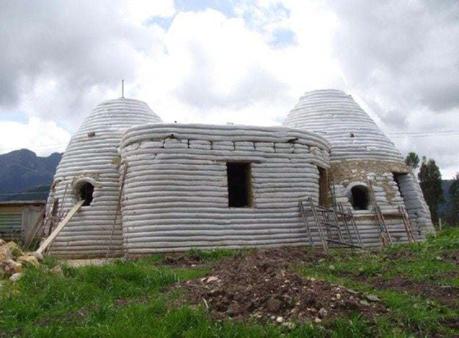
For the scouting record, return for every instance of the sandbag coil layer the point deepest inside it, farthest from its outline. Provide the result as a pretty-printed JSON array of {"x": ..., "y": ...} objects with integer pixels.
[
  {"x": 176, "y": 195},
  {"x": 352, "y": 134},
  {"x": 92, "y": 154}
]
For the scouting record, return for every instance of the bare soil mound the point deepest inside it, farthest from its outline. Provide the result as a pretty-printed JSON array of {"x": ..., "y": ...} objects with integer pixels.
[{"x": 262, "y": 285}]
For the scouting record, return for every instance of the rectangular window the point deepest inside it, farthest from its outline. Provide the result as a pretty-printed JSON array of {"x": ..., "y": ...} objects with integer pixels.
[
  {"x": 323, "y": 187},
  {"x": 239, "y": 185}
]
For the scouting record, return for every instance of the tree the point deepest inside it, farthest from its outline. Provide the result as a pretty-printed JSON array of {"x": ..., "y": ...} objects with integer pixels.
[
  {"x": 430, "y": 181},
  {"x": 454, "y": 197},
  {"x": 412, "y": 160}
]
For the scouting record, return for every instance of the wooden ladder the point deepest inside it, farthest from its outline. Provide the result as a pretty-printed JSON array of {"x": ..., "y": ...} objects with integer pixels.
[
  {"x": 407, "y": 224},
  {"x": 349, "y": 223},
  {"x": 329, "y": 225},
  {"x": 384, "y": 234}
]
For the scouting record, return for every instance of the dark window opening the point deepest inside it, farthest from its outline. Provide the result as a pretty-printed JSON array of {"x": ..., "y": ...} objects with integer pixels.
[
  {"x": 323, "y": 187},
  {"x": 360, "y": 199},
  {"x": 85, "y": 192},
  {"x": 397, "y": 177},
  {"x": 239, "y": 190}
]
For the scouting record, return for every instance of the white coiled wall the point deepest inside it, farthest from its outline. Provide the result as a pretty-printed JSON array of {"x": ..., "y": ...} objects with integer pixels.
[
  {"x": 92, "y": 155},
  {"x": 176, "y": 195},
  {"x": 415, "y": 204},
  {"x": 352, "y": 134},
  {"x": 355, "y": 138}
]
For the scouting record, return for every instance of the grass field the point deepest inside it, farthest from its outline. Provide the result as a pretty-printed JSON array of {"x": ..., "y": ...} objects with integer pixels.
[{"x": 134, "y": 298}]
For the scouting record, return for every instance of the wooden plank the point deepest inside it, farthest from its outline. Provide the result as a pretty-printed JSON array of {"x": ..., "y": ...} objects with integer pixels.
[
  {"x": 35, "y": 228},
  {"x": 60, "y": 226}
]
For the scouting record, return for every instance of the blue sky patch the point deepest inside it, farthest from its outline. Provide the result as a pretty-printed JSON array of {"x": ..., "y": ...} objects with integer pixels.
[
  {"x": 283, "y": 38},
  {"x": 17, "y": 116},
  {"x": 164, "y": 23},
  {"x": 226, "y": 7}
]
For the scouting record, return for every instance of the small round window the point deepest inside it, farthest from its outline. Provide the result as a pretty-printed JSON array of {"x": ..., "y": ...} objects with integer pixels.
[
  {"x": 85, "y": 191},
  {"x": 360, "y": 199}
]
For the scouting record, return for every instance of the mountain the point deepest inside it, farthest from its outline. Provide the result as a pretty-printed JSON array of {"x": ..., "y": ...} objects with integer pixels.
[{"x": 26, "y": 176}]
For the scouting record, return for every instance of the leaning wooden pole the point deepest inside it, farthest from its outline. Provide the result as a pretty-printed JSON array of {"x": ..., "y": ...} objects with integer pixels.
[{"x": 59, "y": 227}]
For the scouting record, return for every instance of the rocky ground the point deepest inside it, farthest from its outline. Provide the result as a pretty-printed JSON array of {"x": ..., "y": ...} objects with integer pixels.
[
  {"x": 262, "y": 285},
  {"x": 13, "y": 260}
]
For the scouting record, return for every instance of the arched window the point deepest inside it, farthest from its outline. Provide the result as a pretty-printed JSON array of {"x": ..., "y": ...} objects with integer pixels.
[
  {"x": 85, "y": 191},
  {"x": 360, "y": 199}
]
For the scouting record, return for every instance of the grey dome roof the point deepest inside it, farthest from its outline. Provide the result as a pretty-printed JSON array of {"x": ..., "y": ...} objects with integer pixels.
[
  {"x": 93, "y": 153},
  {"x": 119, "y": 114},
  {"x": 352, "y": 134}
]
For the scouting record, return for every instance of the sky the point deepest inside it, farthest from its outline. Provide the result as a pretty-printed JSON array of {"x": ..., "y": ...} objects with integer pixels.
[{"x": 238, "y": 61}]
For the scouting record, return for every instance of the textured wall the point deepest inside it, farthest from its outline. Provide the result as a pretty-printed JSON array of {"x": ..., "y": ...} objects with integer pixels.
[
  {"x": 335, "y": 116},
  {"x": 11, "y": 223},
  {"x": 415, "y": 204},
  {"x": 94, "y": 230},
  {"x": 175, "y": 193},
  {"x": 360, "y": 151}
]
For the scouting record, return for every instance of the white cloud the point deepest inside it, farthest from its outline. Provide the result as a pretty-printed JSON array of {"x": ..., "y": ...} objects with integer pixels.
[
  {"x": 141, "y": 10},
  {"x": 36, "y": 135},
  {"x": 248, "y": 65},
  {"x": 214, "y": 68}
]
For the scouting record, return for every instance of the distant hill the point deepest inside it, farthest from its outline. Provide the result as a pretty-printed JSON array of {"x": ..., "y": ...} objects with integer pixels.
[{"x": 26, "y": 176}]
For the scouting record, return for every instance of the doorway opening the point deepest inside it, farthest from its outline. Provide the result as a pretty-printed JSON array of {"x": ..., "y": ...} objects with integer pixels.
[
  {"x": 239, "y": 184},
  {"x": 360, "y": 198},
  {"x": 323, "y": 187}
]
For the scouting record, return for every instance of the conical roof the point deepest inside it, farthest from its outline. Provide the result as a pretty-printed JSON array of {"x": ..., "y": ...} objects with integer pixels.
[
  {"x": 352, "y": 134},
  {"x": 119, "y": 114},
  {"x": 92, "y": 155},
  {"x": 107, "y": 122}
]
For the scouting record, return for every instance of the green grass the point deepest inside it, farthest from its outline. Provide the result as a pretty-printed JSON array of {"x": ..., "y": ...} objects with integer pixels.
[
  {"x": 419, "y": 262},
  {"x": 416, "y": 261},
  {"x": 135, "y": 298},
  {"x": 214, "y": 255}
]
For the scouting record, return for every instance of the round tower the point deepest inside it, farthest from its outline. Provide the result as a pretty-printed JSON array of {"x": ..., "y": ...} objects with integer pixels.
[
  {"x": 367, "y": 171},
  {"x": 89, "y": 171}
]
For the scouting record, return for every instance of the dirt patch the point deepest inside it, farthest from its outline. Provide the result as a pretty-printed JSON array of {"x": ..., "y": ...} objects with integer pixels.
[
  {"x": 448, "y": 295},
  {"x": 183, "y": 260},
  {"x": 261, "y": 285},
  {"x": 451, "y": 256}
]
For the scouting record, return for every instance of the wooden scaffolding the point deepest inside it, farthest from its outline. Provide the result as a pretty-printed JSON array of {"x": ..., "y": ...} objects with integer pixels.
[{"x": 334, "y": 226}]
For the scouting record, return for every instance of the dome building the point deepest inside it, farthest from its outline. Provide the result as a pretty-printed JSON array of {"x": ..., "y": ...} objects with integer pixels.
[
  {"x": 89, "y": 170},
  {"x": 147, "y": 186},
  {"x": 366, "y": 169}
]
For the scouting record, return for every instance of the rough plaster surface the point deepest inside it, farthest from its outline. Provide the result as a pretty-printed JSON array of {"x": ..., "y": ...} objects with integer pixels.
[
  {"x": 175, "y": 189},
  {"x": 176, "y": 194},
  {"x": 92, "y": 155},
  {"x": 360, "y": 151},
  {"x": 352, "y": 134}
]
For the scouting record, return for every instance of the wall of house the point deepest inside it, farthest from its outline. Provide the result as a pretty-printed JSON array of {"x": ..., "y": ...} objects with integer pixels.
[
  {"x": 388, "y": 195},
  {"x": 175, "y": 194},
  {"x": 11, "y": 222},
  {"x": 92, "y": 155},
  {"x": 18, "y": 218},
  {"x": 359, "y": 151}
]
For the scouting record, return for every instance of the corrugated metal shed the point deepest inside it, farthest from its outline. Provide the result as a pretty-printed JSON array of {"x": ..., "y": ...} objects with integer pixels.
[{"x": 17, "y": 217}]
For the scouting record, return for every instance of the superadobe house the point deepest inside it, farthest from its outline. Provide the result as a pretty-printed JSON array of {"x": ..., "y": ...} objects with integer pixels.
[{"x": 153, "y": 187}]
